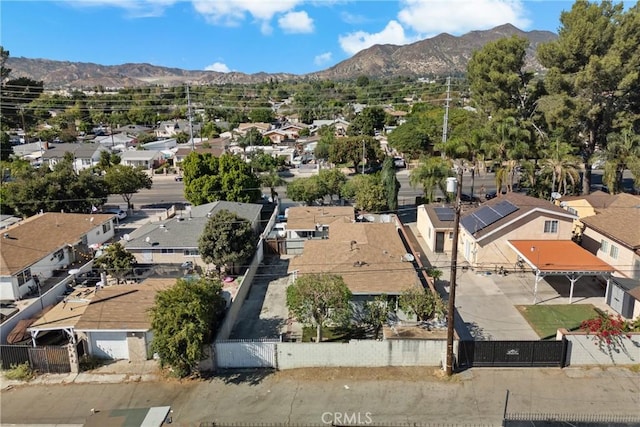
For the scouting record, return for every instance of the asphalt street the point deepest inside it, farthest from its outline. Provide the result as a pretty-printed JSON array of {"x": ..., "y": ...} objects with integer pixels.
[{"x": 386, "y": 396}]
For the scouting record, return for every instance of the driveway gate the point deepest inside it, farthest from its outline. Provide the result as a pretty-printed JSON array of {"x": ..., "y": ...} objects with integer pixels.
[
  {"x": 512, "y": 353},
  {"x": 246, "y": 354}
]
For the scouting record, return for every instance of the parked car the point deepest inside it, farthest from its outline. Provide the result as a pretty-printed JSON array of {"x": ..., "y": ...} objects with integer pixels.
[
  {"x": 119, "y": 213},
  {"x": 178, "y": 178},
  {"x": 399, "y": 162}
]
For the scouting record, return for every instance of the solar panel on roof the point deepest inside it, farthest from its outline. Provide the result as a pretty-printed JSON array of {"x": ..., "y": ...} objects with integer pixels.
[
  {"x": 487, "y": 215},
  {"x": 445, "y": 214},
  {"x": 505, "y": 208}
]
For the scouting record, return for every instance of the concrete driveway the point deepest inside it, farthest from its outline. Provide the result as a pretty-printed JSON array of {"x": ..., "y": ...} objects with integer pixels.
[{"x": 486, "y": 303}]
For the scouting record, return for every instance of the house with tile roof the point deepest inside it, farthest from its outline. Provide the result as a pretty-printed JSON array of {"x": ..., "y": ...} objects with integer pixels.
[
  {"x": 485, "y": 231},
  {"x": 370, "y": 256},
  {"x": 613, "y": 235},
  {"x": 175, "y": 240}
]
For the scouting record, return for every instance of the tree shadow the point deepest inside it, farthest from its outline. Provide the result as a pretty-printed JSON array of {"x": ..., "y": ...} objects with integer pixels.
[{"x": 242, "y": 376}]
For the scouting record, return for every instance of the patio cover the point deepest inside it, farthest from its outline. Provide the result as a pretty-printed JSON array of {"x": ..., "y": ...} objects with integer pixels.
[{"x": 560, "y": 258}]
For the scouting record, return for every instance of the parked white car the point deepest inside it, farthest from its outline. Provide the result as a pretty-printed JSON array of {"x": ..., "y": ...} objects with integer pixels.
[{"x": 119, "y": 213}]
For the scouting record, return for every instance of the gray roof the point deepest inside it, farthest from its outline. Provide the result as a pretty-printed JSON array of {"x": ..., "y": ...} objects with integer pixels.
[
  {"x": 80, "y": 150},
  {"x": 139, "y": 154},
  {"x": 183, "y": 231}
]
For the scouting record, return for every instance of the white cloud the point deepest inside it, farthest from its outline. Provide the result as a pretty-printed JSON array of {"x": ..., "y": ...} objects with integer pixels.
[
  {"x": 296, "y": 22},
  {"x": 233, "y": 12},
  {"x": 433, "y": 17},
  {"x": 393, "y": 33},
  {"x": 352, "y": 19},
  {"x": 219, "y": 67},
  {"x": 134, "y": 8},
  {"x": 323, "y": 58}
]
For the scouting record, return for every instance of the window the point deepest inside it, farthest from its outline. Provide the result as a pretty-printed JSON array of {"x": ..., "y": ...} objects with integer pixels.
[
  {"x": 613, "y": 253},
  {"x": 191, "y": 252},
  {"x": 604, "y": 246},
  {"x": 106, "y": 227},
  {"x": 167, "y": 251},
  {"x": 24, "y": 276},
  {"x": 451, "y": 235},
  {"x": 572, "y": 211},
  {"x": 551, "y": 226}
]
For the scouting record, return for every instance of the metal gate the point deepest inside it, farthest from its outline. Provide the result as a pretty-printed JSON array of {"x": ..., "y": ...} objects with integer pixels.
[
  {"x": 512, "y": 353},
  {"x": 46, "y": 359},
  {"x": 246, "y": 354}
]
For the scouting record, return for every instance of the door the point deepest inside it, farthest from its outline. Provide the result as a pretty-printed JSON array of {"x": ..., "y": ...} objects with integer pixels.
[
  {"x": 439, "y": 241},
  {"x": 617, "y": 298},
  {"x": 109, "y": 345},
  {"x": 147, "y": 256}
]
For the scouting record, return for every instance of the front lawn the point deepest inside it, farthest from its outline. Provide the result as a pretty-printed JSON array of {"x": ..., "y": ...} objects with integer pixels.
[
  {"x": 339, "y": 334},
  {"x": 547, "y": 319}
]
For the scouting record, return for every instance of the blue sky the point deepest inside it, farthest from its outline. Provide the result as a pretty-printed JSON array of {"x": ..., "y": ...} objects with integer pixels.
[{"x": 250, "y": 36}]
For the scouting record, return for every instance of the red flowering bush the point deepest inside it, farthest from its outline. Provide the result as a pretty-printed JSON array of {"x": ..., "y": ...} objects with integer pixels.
[{"x": 609, "y": 329}]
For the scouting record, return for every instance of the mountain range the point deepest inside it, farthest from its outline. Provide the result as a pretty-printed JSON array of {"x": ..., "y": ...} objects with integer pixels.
[{"x": 440, "y": 55}]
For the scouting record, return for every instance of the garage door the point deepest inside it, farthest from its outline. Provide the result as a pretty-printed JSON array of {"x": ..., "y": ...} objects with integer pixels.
[{"x": 110, "y": 345}]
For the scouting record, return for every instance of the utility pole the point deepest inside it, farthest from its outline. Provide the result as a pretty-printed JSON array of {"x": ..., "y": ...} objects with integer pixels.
[
  {"x": 190, "y": 119},
  {"x": 452, "y": 279},
  {"x": 445, "y": 123},
  {"x": 364, "y": 157}
]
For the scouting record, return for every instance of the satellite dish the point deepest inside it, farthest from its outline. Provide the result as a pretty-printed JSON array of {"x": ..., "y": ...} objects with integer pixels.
[
  {"x": 555, "y": 195},
  {"x": 147, "y": 239},
  {"x": 408, "y": 257},
  {"x": 127, "y": 237},
  {"x": 563, "y": 204}
]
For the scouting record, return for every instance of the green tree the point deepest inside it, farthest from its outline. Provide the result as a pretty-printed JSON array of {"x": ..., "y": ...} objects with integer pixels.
[
  {"x": 227, "y": 241},
  {"x": 262, "y": 115},
  {"x": 332, "y": 181},
  {"x": 116, "y": 261},
  {"x": 316, "y": 299},
  {"x": 144, "y": 138},
  {"x": 5, "y": 147},
  {"x": 126, "y": 181},
  {"x": 182, "y": 137},
  {"x": 367, "y": 122},
  {"x": 415, "y": 137},
  {"x": 421, "y": 303},
  {"x": 306, "y": 190},
  {"x": 272, "y": 180},
  {"x": 623, "y": 152},
  {"x": 431, "y": 173},
  {"x": 593, "y": 73},
  {"x": 560, "y": 161},
  {"x": 184, "y": 320},
  {"x": 108, "y": 159},
  {"x": 390, "y": 183},
  {"x": 228, "y": 177},
  {"x": 353, "y": 149},
  {"x": 376, "y": 313},
  {"x": 366, "y": 192}
]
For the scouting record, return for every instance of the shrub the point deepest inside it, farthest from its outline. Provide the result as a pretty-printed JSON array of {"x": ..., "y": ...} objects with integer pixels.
[
  {"x": 21, "y": 372},
  {"x": 87, "y": 363}
]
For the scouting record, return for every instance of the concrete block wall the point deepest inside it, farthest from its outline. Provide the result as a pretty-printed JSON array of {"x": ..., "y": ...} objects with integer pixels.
[
  {"x": 584, "y": 350},
  {"x": 361, "y": 354}
]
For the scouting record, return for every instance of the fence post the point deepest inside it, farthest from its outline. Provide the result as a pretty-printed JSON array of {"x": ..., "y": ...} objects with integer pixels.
[{"x": 74, "y": 362}]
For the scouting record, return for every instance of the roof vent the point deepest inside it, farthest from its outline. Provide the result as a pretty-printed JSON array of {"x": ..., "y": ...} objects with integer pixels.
[
  {"x": 353, "y": 245},
  {"x": 6, "y": 235}
]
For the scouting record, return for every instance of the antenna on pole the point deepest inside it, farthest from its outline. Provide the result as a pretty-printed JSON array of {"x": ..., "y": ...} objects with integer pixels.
[
  {"x": 190, "y": 119},
  {"x": 445, "y": 123}
]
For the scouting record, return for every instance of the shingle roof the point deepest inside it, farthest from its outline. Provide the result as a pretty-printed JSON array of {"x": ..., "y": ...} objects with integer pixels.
[
  {"x": 435, "y": 220},
  {"x": 139, "y": 154},
  {"x": 122, "y": 307},
  {"x": 525, "y": 204},
  {"x": 80, "y": 150},
  {"x": 368, "y": 256},
  {"x": 183, "y": 231},
  {"x": 306, "y": 217},
  {"x": 38, "y": 236},
  {"x": 620, "y": 220}
]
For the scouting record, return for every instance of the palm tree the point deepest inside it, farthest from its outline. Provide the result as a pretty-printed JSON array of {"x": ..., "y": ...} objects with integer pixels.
[
  {"x": 432, "y": 172},
  {"x": 622, "y": 152},
  {"x": 562, "y": 163},
  {"x": 507, "y": 142},
  {"x": 272, "y": 180}
]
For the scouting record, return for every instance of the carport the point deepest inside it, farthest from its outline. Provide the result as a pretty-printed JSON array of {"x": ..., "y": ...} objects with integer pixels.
[{"x": 560, "y": 258}]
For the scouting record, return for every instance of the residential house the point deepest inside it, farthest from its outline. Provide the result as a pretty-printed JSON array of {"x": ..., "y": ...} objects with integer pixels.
[
  {"x": 45, "y": 243},
  {"x": 340, "y": 126},
  {"x": 32, "y": 152},
  {"x": 115, "y": 142},
  {"x": 486, "y": 230},
  {"x": 243, "y": 128},
  {"x": 370, "y": 257},
  {"x": 613, "y": 235},
  {"x": 309, "y": 222},
  {"x": 436, "y": 225},
  {"x": 85, "y": 155},
  {"x": 147, "y": 159},
  {"x": 116, "y": 323},
  {"x": 171, "y": 128},
  {"x": 216, "y": 147},
  {"x": 585, "y": 205},
  {"x": 175, "y": 240},
  {"x": 133, "y": 129}
]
